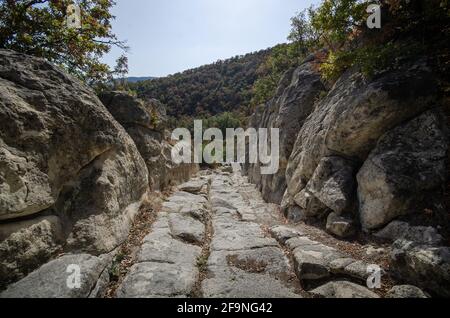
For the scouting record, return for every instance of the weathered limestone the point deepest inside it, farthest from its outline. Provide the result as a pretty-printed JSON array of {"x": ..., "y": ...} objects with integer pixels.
[
  {"x": 355, "y": 114},
  {"x": 333, "y": 183},
  {"x": 290, "y": 107},
  {"x": 407, "y": 164},
  {"x": 26, "y": 245},
  {"x": 62, "y": 157},
  {"x": 145, "y": 122},
  {"x": 56, "y": 279}
]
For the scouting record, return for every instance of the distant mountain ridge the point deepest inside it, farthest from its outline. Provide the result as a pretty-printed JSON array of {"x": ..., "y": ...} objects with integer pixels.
[
  {"x": 136, "y": 79},
  {"x": 224, "y": 86}
]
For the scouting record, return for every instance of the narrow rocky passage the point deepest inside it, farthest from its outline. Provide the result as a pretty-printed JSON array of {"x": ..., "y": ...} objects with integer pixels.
[{"x": 216, "y": 237}]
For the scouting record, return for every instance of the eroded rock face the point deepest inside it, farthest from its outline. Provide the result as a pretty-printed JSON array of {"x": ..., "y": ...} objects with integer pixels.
[
  {"x": 287, "y": 111},
  {"x": 145, "y": 121},
  {"x": 333, "y": 183},
  {"x": 26, "y": 245},
  {"x": 349, "y": 121},
  {"x": 62, "y": 154},
  {"x": 408, "y": 163}
]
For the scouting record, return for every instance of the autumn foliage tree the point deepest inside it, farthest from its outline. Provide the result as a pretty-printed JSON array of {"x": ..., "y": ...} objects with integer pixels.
[{"x": 39, "y": 28}]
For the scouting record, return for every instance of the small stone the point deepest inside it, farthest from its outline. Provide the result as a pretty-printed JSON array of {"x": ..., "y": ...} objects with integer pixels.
[
  {"x": 373, "y": 251},
  {"x": 284, "y": 233},
  {"x": 294, "y": 214},
  {"x": 340, "y": 226}
]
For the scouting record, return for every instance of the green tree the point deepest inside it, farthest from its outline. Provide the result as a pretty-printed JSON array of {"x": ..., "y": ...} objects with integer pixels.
[
  {"x": 303, "y": 35},
  {"x": 39, "y": 28},
  {"x": 120, "y": 71}
]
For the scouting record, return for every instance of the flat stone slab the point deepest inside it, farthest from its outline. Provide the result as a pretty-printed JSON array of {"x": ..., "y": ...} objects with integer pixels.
[
  {"x": 187, "y": 228},
  {"x": 194, "y": 186},
  {"x": 56, "y": 279},
  {"x": 266, "y": 260},
  {"x": 165, "y": 249},
  {"x": 154, "y": 280},
  {"x": 258, "y": 273},
  {"x": 239, "y": 236},
  {"x": 244, "y": 285},
  {"x": 311, "y": 259}
]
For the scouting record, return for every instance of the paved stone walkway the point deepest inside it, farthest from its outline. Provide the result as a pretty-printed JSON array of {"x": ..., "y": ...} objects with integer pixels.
[{"x": 216, "y": 237}]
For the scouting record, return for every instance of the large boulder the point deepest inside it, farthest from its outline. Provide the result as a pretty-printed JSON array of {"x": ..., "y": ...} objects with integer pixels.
[
  {"x": 356, "y": 112},
  {"x": 333, "y": 183},
  {"x": 145, "y": 121},
  {"x": 287, "y": 111},
  {"x": 61, "y": 154},
  {"x": 407, "y": 165}
]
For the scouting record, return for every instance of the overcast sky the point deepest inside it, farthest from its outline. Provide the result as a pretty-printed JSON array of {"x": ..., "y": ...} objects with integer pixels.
[{"x": 169, "y": 36}]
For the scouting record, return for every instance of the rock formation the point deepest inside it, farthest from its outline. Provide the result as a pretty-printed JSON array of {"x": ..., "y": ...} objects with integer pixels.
[
  {"x": 368, "y": 152},
  {"x": 145, "y": 122},
  {"x": 71, "y": 177},
  {"x": 365, "y": 158},
  {"x": 288, "y": 110}
]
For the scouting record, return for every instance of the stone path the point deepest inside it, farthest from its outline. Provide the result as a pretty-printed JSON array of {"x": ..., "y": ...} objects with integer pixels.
[{"x": 216, "y": 237}]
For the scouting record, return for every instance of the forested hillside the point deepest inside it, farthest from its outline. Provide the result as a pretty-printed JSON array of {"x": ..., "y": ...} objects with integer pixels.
[{"x": 224, "y": 86}]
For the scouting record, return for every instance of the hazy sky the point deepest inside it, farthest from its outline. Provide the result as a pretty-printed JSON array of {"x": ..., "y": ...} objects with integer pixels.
[{"x": 169, "y": 36}]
